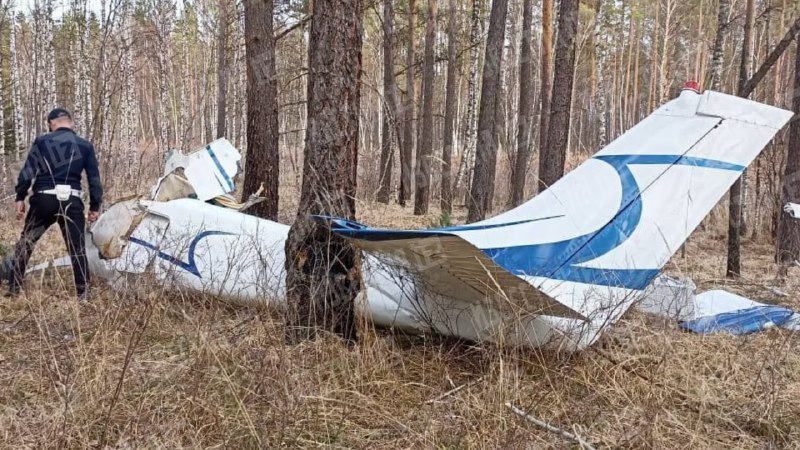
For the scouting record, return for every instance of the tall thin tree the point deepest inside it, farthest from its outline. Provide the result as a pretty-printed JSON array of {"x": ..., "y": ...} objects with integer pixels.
[
  {"x": 322, "y": 270},
  {"x": 465, "y": 165},
  {"x": 525, "y": 122},
  {"x": 450, "y": 106},
  {"x": 480, "y": 200},
  {"x": 3, "y": 102},
  {"x": 425, "y": 152},
  {"x": 407, "y": 154},
  {"x": 262, "y": 166},
  {"x": 546, "y": 77},
  {"x": 391, "y": 114},
  {"x": 737, "y": 199},
  {"x": 222, "y": 68},
  {"x": 788, "y": 242},
  {"x": 16, "y": 96},
  {"x": 553, "y": 154},
  {"x": 717, "y": 52},
  {"x": 600, "y": 89}
]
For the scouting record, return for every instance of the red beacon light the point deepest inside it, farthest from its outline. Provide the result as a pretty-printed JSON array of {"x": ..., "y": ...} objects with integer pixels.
[{"x": 692, "y": 86}]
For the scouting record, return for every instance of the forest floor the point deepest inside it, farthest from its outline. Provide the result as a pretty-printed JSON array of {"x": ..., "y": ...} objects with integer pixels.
[{"x": 156, "y": 369}]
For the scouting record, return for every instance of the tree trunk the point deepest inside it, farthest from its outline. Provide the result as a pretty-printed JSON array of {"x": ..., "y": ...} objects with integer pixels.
[
  {"x": 15, "y": 92},
  {"x": 391, "y": 114},
  {"x": 3, "y": 102},
  {"x": 262, "y": 165},
  {"x": 553, "y": 155},
  {"x": 600, "y": 55},
  {"x": 736, "y": 202},
  {"x": 524, "y": 125},
  {"x": 663, "y": 69},
  {"x": 322, "y": 270},
  {"x": 407, "y": 154},
  {"x": 222, "y": 69},
  {"x": 425, "y": 152},
  {"x": 480, "y": 201},
  {"x": 651, "y": 89},
  {"x": 788, "y": 242},
  {"x": 449, "y": 108},
  {"x": 547, "y": 72},
  {"x": 772, "y": 58},
  {"x": 465, "y": 165},
  {"x": 719, "y": 42}
]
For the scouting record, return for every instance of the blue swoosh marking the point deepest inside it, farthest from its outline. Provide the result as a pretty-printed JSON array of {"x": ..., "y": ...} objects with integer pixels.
[
  {"x": 219, "y": 166},
  {"x": 353, "y": 229},
  {"x": 559, "y": 260},
  {"x": 189, "y": 266}
]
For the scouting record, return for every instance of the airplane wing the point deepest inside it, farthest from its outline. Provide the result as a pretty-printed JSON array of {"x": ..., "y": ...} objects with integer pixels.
[{"x": 598, "y": 236}]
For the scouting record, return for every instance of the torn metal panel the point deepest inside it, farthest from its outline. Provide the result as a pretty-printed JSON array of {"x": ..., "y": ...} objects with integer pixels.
[
  {"x": 64, "y": 261},
  {"x": 714, "y": 311},
  {"x": 669, "y": 297},
  {"x": 210, "y": 171},
  {"x": 229, "y": 201},
  {"x": 110, "y": 233},
  {"x": 172, "y": 187},
  {"x": 721, "y": 311}
]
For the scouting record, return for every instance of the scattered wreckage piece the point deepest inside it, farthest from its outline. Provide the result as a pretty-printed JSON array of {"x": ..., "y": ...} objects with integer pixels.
[
  {"x": 721, "y": 311},
  {"x": 203, "y": 174},
  {"x": 714, "y": 311}
]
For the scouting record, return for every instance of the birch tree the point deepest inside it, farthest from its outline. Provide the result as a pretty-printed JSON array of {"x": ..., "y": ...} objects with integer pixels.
[
  {"x": 465, "y": 165},
  {"x": 450, "y": 107}
]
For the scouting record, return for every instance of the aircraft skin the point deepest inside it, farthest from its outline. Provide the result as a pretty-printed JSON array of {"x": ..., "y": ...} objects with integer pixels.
[
  {"x": 558, "y": 270},
  {"x": 792, "y": 209}
]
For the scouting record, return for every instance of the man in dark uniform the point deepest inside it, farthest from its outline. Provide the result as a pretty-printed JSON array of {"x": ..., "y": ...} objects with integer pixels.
[{"x": 54, "y": 166}]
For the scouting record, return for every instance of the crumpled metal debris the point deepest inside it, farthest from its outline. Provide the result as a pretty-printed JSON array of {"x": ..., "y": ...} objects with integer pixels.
[
  {"x": 793, "y": 209},
  {"x": 208, "y": 172}
]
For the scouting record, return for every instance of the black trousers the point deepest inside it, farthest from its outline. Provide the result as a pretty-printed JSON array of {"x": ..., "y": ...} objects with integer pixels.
[{"x": 45, "y": 210}]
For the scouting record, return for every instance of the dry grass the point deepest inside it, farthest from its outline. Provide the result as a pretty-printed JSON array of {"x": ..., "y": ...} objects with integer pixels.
[{"x": 154, "y": 369}]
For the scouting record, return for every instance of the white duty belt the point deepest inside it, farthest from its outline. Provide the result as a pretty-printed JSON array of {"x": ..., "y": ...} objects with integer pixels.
[{"x": 62, "y": 191}]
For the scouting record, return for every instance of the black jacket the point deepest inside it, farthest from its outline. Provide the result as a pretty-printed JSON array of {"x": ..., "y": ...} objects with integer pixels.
[{"x": 61, "y": 157}]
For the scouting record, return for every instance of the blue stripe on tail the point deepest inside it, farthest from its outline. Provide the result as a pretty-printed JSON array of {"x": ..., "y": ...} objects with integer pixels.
[{"x": 560, "y": 260}]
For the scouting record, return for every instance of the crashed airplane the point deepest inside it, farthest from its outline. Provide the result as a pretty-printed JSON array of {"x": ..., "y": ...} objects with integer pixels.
[{"x": 557, "y": 270}]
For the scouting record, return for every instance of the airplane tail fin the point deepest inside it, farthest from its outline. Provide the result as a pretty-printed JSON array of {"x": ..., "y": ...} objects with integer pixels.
[
  {"x": 618, "y": 218},
  {"x": 600, "y": 234}
]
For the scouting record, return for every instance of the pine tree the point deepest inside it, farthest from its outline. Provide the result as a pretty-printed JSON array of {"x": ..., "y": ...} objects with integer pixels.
[
  {"x": 322, "y": 270},
  {"x": 262, "y": 109},
  {"x": 425, "y": 152},
  {"x": 480, "y": 201},
  {"x": 553, "y": 154}
]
